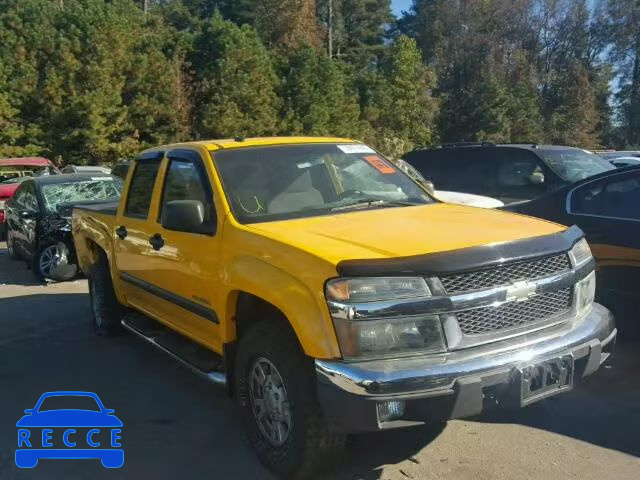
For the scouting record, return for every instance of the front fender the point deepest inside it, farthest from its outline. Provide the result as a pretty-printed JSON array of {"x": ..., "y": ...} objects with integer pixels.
[{"x": 305, "y": 310}]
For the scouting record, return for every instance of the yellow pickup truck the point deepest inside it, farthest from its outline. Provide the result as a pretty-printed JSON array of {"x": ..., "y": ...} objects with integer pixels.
[{"x": 333, "y": 295}]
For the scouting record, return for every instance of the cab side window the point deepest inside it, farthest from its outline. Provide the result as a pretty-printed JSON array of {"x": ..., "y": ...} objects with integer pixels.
[
  {"x": 25, "y": 198},
  {"x": 141, "y": 188},
  {"x": 609, "y": 198},
  {"x": 186, "y": 180}
]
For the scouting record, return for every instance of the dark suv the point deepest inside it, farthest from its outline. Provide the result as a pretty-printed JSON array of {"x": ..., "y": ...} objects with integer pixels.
[{"x": 510, "y": 172}]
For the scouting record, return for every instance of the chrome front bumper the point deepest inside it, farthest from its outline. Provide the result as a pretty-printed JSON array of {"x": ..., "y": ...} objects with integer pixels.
[{"x": 461, "y": 377}]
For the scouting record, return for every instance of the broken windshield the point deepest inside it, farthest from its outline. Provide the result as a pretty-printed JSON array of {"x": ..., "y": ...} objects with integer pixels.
[{"x": 98, "y": 189}]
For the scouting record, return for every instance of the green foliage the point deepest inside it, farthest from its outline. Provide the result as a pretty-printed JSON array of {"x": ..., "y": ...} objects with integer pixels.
[
  {"x": 400, "y": 108},
  {"x": 318, "y": 100},
  {"x": 235, "y": 82},
  {"x": 93, "y": 81}
]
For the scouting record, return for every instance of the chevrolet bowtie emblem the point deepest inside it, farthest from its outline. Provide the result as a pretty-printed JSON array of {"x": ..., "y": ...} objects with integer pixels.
[{"x": 520, "y": 291}]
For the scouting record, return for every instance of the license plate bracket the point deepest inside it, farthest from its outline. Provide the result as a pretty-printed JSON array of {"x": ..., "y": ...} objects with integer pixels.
[{"x": 545, "y": 379}]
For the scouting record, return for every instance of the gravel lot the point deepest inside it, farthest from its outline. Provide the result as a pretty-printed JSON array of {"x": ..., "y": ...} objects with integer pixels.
[{"x": 178, "y": 426}]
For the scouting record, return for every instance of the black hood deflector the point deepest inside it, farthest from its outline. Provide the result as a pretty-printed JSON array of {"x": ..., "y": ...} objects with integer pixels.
[{"x": 465, "y": 259}]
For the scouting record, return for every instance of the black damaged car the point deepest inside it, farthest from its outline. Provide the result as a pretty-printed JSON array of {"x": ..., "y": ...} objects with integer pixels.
[{"x": 38, "y": 219}]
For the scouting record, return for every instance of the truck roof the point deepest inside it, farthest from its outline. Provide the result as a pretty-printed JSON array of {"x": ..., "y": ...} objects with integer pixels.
[{"x": 242, "y": 142}]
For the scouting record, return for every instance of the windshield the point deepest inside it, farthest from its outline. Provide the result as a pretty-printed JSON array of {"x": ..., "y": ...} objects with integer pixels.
[
  {"x": 99, "y": 189},
  {"x": 293, "y": 181},
  {"x": 573, "y": 164}
]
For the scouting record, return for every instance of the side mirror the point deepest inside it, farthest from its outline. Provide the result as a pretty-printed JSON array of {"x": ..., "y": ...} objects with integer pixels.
[
  {"x": 536, "y": 178},
  {"x": 29, "y": 411},
  {"x": 27, "y": 214},
  {"x": 183, "y": 216},
  {"x": 109, "y": 411}
]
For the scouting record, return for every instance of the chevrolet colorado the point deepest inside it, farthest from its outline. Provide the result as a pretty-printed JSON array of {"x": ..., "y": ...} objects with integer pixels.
[{"x": 332, "y": 294}]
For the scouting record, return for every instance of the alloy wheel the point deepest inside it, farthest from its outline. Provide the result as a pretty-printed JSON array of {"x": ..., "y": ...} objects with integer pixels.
[
  {"x": 269, "y": 402},
  {"x": 50, "y": 258}
]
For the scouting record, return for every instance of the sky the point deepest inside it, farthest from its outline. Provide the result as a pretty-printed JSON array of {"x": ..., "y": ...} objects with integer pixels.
[{"x": 399, "y": 5}]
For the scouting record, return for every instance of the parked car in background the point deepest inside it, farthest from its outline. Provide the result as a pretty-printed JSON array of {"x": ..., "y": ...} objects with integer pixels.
[
  {"x": 7, "y": 189},
  {"x": 26, "y": 167},
  {"x": 38, "y": 219},
  {"x": 621, "y": 162},
  {"x": 121, "y": 169},
  {"x": 509, "y": 173},
  {"x": 618, "y": 154},
  {"x": 607, "y": 208},
  {"x": 85, "y": 169},
  {"x": 459, "y": 198}
]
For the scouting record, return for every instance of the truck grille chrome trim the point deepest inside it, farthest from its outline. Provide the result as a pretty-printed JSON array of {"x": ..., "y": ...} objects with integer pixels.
[
  {"x": 506, "y": 274},
  {"x": 515, "y": 314}
]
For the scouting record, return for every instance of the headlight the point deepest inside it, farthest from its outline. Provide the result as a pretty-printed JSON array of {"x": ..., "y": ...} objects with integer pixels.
[
  {"x": 381, "y": 337},
  {"x": 376, "y": 289},
  {"x": 585, "y": 293},
  {"x": 1, "y": 204},
  {"x": 580, "y": 253}
]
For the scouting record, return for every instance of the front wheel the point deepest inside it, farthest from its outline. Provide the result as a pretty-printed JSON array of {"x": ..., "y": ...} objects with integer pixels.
[
  {"x": 52, "y": 261},
  {"x": 277, "y": 396}
]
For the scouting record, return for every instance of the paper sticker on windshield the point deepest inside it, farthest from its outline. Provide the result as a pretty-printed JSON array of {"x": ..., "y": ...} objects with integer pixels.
[
  {"x": 356, "y": 148},
  {"x": 380, "y": 164},
  {"x": 100, "y": 178}
]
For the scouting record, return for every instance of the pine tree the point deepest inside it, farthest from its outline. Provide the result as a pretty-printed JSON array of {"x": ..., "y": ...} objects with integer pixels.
[
  {"x": 624, "y": 17},
  {"x": 236, "y": 82},
  {"x": 319, "y": 100},
  {"x": 357, "y": 27},
  {"x": 401, "y": 109}
]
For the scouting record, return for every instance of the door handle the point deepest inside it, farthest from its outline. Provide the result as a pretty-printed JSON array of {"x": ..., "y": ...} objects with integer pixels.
[
  {"x": 156, "y": 241},
  {"x": 121, "y": 231}
]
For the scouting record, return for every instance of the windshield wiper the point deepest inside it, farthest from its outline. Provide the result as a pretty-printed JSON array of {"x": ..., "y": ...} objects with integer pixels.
[{"x": 374, "y": 202}]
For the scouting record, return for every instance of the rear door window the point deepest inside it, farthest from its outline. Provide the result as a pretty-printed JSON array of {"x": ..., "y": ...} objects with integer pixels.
[
  {"x": 141, "y": 188},
  {"x": 614, "y": 197}
]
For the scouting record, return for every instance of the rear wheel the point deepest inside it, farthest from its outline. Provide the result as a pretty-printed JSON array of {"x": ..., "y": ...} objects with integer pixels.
[
  {"x": 277, "y": 396},
  {"x": 52, "y": 261},
  {"x": 105, "y": 308}
]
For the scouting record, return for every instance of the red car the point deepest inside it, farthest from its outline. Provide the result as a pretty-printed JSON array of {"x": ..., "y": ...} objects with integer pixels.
[{"x": 13, "y": 171}]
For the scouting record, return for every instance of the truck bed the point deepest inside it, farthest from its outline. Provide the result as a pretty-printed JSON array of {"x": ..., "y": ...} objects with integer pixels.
[{"x": 105, "y": 208}]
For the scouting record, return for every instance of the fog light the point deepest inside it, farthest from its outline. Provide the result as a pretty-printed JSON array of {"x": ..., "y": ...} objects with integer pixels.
[{"x": 390, "y": 410}]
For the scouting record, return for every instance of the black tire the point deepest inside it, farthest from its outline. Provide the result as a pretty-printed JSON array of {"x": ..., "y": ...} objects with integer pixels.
[
  {"x": 64, "y": 271},
  {"x": 106, "y": 311},
  {"x": 310, "y": 442}
]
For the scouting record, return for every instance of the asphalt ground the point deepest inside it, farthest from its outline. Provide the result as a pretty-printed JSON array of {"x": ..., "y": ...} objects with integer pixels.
[{"x": 176, "y": 425}]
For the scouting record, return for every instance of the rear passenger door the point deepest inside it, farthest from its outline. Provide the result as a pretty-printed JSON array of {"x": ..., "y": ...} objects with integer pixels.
[{"x": 186, "y": 265}]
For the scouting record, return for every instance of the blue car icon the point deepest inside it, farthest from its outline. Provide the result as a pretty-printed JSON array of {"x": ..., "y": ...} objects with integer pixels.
[{"x": 84, "y": 432}]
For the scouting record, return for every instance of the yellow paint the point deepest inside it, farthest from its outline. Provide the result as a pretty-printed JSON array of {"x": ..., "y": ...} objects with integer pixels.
[{"x": 286, "y": 263}]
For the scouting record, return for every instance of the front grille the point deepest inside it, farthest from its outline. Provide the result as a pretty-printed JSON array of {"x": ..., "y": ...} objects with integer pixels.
[
  {"x": 506, "y": 274},
  {"x": 514, "y": 314}
]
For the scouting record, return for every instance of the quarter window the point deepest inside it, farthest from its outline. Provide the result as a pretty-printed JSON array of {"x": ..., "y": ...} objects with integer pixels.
[
  {"x": 617, "y": 199},
  {"x": 141, "y": 188}
]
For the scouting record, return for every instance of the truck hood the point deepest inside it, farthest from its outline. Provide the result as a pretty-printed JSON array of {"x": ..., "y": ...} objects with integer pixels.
[{"x": 402, "y": 231}]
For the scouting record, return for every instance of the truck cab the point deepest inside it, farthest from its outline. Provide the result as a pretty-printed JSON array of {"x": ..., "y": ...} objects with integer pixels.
[{"x": 331, "y": 294}]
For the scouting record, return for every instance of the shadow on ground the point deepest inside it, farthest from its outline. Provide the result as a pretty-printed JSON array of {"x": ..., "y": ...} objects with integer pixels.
[
  {"x": 171, "y": 418},
  {"x": 604, "y": 410}
]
